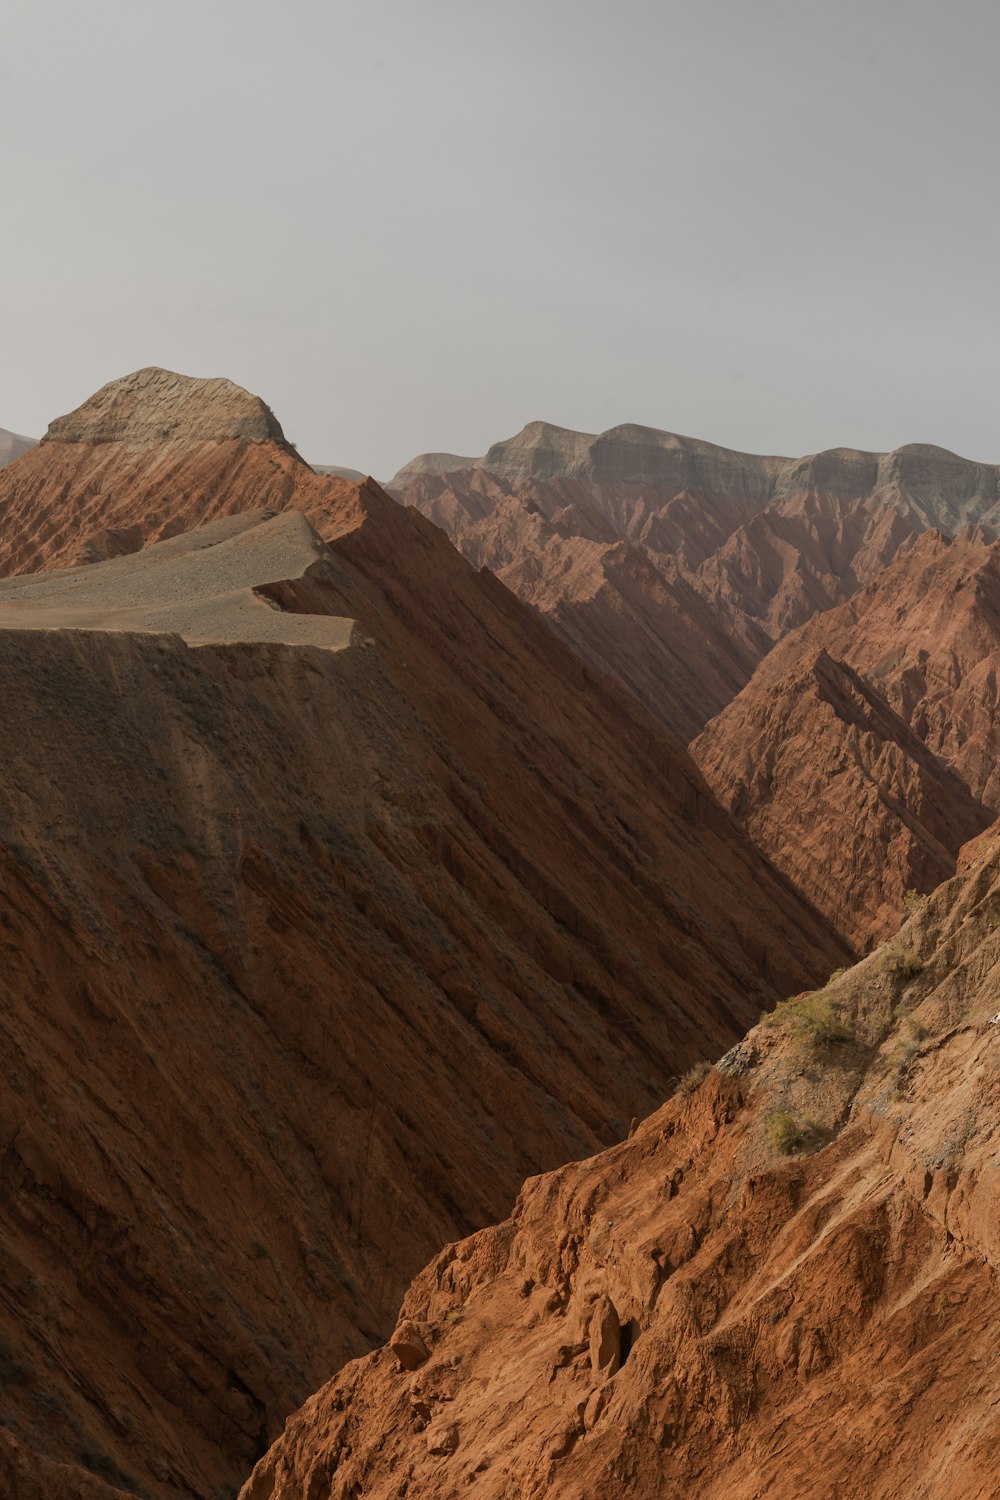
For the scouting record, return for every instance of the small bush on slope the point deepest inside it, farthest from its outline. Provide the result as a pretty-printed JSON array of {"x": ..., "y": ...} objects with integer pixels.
[
  {"x": 694, "y": 1078},
  {"x": 788, "y": 1135},
  {"x": 900, "y": 963},
  {"x": 811, "y": 1020}
]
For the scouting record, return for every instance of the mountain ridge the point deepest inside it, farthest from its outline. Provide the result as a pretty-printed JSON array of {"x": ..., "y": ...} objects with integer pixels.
[
  {"x": 311, "y": 954},
  {"x": 764, "y": 542}
]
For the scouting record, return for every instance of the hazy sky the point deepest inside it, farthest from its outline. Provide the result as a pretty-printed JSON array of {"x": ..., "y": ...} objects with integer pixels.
[{"x": 416, "y": 224}]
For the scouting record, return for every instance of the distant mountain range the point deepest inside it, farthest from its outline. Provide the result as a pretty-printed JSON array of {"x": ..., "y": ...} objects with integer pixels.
[
  {"x": 12, "y": 446},
  {"x": 622, "y": 537}
]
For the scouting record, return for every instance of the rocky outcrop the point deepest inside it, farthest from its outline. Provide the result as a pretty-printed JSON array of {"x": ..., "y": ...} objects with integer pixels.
[
  {"x": 782, "y": 1284},
  {"x": 434, "y": 463},
  {"x": 836, "y": 520},
  {"x": 631, "y": 454},
  {"x": 147, "y": 458},
  {"x": 335, "y": 896},
  {"x": 155, "y": 406},
  {"x": 863, "y": 753}
]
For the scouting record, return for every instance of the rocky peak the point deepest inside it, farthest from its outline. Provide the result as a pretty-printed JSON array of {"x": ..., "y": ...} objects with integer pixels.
[
  {"x": 539, "y": 451},
  {"x": 434, "y": 464},
  {"x": 153, "y": 406}
]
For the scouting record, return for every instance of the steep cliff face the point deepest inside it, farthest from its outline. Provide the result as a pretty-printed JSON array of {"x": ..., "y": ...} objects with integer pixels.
[
  {"x": 836, "y": 520},
  {"x": 603, "y": 534},
  {"x": 862, "y": 791},
  {"x": 782, "y": 1284},
  {"x": 335, "y": 896},
  {"x": 927, "y": 635},
  {"x": 762, "y": 542},
  {"x": 842, "y": 794},
  {"x": 645, "y": 626}
]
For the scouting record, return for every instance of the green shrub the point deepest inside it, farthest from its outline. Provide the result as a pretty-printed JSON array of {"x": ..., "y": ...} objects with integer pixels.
[
  {"x": 912, "y": 901},
  {"x": 694, "y": 1078},
  {"x": 899, "y": 963},
  {"x": 787, "y": 1135},
  {"x": 812, "y": 1021}
]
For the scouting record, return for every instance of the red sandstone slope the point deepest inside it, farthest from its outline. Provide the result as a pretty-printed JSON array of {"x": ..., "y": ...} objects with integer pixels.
[
  {"x": 783, "y": 1284},
  {"x": 645, "y": 626},
  {"x": 335, "y": 895},
  {"x": 857, "y": 807},
  {"x": 738, "y": 549},
  {"x": 927, "y": 634},
  {"x": 601, "y": 559}
]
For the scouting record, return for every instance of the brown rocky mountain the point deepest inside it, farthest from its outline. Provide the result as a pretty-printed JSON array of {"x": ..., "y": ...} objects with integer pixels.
[
  {"x": 645, "y": 625},
  {"x": 148, "y": 457},
  {"x": 864, "y": 751},
  {"x": 783, "y": 1284},
  {"x": 764, "y": 542},
  {"x": 336, "y": 895},
  {"x": 12, "y": 446},
  {"x": 603, "y": 535}
]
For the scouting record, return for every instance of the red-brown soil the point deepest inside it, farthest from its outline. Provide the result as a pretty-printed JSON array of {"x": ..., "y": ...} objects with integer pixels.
[
  {"x": 336, "y": 896},
  {"x": 783, "y": 1284},
  {"x": 863, "y": 753},
  {"x": 642, "y": 622}
]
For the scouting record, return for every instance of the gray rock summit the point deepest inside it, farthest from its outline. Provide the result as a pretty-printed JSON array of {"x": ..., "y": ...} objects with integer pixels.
[{"x": 155, "y": 406}]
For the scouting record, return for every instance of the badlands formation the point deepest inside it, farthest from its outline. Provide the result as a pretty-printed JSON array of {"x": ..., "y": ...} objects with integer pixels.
[
  {"x": 336, "y": 897},
  {"x": 865, "y": 750},
  {"x": 359, "y": 916},
  {"x": 622, "y": 540},
  {"x": 783, "y": 1284},
  {"x": 839, "y": 699}
]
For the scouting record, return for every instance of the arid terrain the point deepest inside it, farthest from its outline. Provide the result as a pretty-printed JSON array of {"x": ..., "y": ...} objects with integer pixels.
[
  {"x": 783, "y": 1284},
  {"x": 863, "y": 753},
  {"x": 425, "y": 1076},
  {"x": 337, "y": 897}
]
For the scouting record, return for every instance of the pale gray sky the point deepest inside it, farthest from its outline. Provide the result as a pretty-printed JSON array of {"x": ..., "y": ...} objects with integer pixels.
[{"x": 415, "y": 224}]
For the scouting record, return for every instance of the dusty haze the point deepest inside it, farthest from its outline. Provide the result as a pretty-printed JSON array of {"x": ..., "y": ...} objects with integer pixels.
[{"x": 423, "y": 226}]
